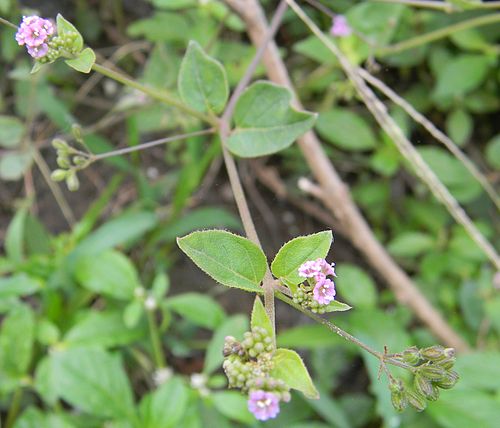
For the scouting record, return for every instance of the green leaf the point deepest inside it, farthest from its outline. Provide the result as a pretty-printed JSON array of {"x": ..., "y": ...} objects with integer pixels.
[
  {"x": 94, "y": 381},
  {"x": 160, "y": 287},
  {"x": 411, "y": 244},
  {"x": 18, "y": 285},
  {"x": 289, "y": 367},
  {"x": 493, "y": 152},
  {"x": 297, "y": 251},
  {"x": 109, "y": 273},
  {"x": 198, "y": 308},
  {"x": 260, "y": 318},
  {"x": 233, "y": 326},
  {"x": 230, "y": 259},
  {"x": 14, "y": 237},
  {"x": 459, "y": 126},
  {"x": 265, "y": 122},
  {"x": 47, "y": 333},
  {"x": 233, "y": 405},
  {"x": 346, "y": 130},
  {"x": 65, "y": 27},
  {"x": 336, "y": 306},
  {"x": 104, "y": 329},
  {"x": 83, "y": 62},
  {"x": 461, "y": 75},
  {"x": 11, "y": 131},
  {"x": 166, "y": 406},
  {"x": 355, "y": 285},
  {"x": 16, "y": 341},
  {"x": 202, "y": 81},
  {"x": 310, "y": 336},
  {"x": 133, "y": 313},
  {"x": 13, "y": 165},
  {"x": 479, "y": 370}
]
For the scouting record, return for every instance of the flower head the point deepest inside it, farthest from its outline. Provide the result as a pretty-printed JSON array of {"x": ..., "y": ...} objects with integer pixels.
[
  {"x": 340, "y": 27},
  {"x": 35, "y": 32},
  {"x": 324, "y": 291},
  {"x": 38, "y": 51},
  {"x": 264, "y": 405},
  {"x": 317, "y": 269}
]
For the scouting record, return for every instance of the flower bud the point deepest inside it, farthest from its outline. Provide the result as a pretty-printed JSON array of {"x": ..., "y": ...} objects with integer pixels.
[
  {"x": 79, "y": 160},
  {"x": 423, "y": 386},
  {"x": 59, "y": 175},
  {"x": 411, "y": 356},
  {"x": 72, "y": 182},
  {"x": 63, "y": 161},
  {"x": 399, "y": 400},
  {"x": 449, "y": 380},
  {"x": 432, "y": 372},
  {"x": 416, "y": 400},
  {"x": 76, "y": 130},
  {"x": 447, "y": 363},
  {"x": 433, "y": 353},
  {"x": 59, "y": 144}
]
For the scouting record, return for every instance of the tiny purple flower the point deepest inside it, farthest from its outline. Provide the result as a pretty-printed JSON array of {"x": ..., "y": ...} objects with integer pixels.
[
  {"x": 317, "y": 269},
  {"x": 38, "y": 51},
  {"x": 340, "y": 27},
  {"x": 264, "y": 405},
  {"x": 324, "y": 291}
]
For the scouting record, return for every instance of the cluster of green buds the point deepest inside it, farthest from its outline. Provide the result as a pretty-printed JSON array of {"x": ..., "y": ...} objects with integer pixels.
[
  {"x": 70, "y": 160},
  {"x": 62, "y": 46},
  {"x": 248, "y": 364},
  {"x": 432, "y": 369}
]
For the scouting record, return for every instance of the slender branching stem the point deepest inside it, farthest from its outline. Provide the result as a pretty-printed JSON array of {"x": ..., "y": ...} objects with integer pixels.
[
  {"x": 443, "y": 5},
  {"x": 15, "y": 405},
  {"x": 154, "y": 333},
  {"x": 155, "y": 93},
  {"x": 7, "y": 23}
]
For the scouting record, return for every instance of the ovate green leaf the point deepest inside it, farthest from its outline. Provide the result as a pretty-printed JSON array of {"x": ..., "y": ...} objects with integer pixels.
[
  {"x": 65, "y": 27},
  {"x": 265, "y": 122},
  {"x": 83, "y": 62},
  {"x": 230, "y": 259},
  {"x": 11, "y": 131},
  {"x": 260, "y": 318},
  {"x": 200, "y": 309}
]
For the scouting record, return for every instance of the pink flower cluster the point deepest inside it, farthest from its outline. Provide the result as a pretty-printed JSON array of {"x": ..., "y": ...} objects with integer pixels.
[
  {"x": 264, "y": 405},
  {"x": 35, "y": 32},
  {"x": 340, "y": 27},
  {"x": 324, "y": 289}
]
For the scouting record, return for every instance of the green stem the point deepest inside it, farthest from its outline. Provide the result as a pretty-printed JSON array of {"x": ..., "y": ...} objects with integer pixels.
[
  {"x": 14, "y": 408},
  {"x": 438, "y": 34},
  {"x": 155, "y": 93},
  {"x": 158, "y": 355},
  {"x": 7, "y": 23}
]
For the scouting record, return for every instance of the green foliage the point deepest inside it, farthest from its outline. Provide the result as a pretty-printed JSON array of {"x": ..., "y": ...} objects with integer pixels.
[
  {"x": 265, "y": 122},
  {"x": 232, "y": 260},
  {"x": 259, "y": 317},
  {"x": 83, "y": 62},
  {"x": 202, "y": 81}
]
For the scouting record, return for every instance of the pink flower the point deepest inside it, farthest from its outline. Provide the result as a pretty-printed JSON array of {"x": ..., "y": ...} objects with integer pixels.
[
  {"x": 317, "y": 269},
  {"x": 264, "y": 405},
  {"x": 324, "y": 291},
  {"x": 340, "y": 27},
  {"x": 38, "y": 51}
]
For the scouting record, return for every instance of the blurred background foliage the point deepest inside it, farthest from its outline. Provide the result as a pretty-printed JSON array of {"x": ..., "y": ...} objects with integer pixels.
[{"x": 76, "y": 333}]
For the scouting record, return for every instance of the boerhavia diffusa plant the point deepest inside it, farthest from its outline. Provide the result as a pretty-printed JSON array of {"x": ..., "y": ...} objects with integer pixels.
[{"x": 258, "y": 120}]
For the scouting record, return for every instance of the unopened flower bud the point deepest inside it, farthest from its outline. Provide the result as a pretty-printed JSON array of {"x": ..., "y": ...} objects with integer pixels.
[
  {"x": 411, "y": 355},
  {"x": 447, "y": 363},
  {"x": 59, "y": 175},
  {"x": 433, "y": 353},
  {"x": 416, "y": 400},
  {"x": 76, "y": 130},
  {"x": 63, "y": 161},
  {"x": 72, "y": 182},
  {"x": 59, "y": 144},
  {"x": 423, "y": 386},
  {"x": 79, "y": 160},
  {"x": 449, "y": 380},
  {"x": 432, "y": 372}
]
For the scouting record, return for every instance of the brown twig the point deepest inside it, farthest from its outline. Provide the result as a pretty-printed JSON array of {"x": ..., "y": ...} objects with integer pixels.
[{"x": 339, "y": 200}]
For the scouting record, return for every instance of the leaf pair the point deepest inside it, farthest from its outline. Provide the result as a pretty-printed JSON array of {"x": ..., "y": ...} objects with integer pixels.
[{"x": 265, "y": 122}]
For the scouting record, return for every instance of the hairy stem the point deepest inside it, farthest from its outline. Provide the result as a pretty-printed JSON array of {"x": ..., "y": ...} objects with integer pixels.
[
  {"x": 438, "y": 34},
  {"x": 155, "y": 93}
]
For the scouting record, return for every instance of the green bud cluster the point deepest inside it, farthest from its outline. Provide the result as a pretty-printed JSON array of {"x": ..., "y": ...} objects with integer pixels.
[
  {"x": 248, "y": 364},
  {"x": 304, "y": 297},
  {"x": 69, "y": 161},
  {"x": 64, "y": 46},
  {"x": 432, "y": 368}
]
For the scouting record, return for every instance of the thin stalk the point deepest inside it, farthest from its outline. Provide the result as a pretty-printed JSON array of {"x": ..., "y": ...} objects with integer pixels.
[
  {"x": 342, "y": 333},
  {"x": 438, "y": 34},
  {"x": 155, "y": 93},
  {"x": 158, "y": 355},
  {"x": 54, "y": 188},
  {"x": 150, "y": 144},
  {"x": 234, "y": 179},
  {"x": 443, "y": 5},
  {"x": 7, "y": 23},
  {"x": 15, "y": 405}
]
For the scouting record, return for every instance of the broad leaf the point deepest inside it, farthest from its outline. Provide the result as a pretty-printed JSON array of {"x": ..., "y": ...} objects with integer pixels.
[
  {"x": 202, "y": 81},
  {"x": 265, "y": 122},
  {"x": 166, "y": 406},
  {"x": 17, "y": 335},
  {"x": 297, "y": 251},
  {"x": 109, "y": 273},
  {"x": 94, "y": 381},
  {"x": 233, "y": 405},
  {"x": 18, "y": 285},
  {"x": 355, "y": 285},
  {"x": 14, "y": 238},
  {"x": 336, "y": 306},
  {"x": 83, "y": 62},
  {"x": 200, "y": 309},
  {"x": 101, "y": 329},
  {"x": 260, "y": 318},
  {"x": 11, "y": 131},
  {"x": 289, "y": 367},
  {"x": 230, "y": 259},
  {"x": 13, "y": 165}
]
